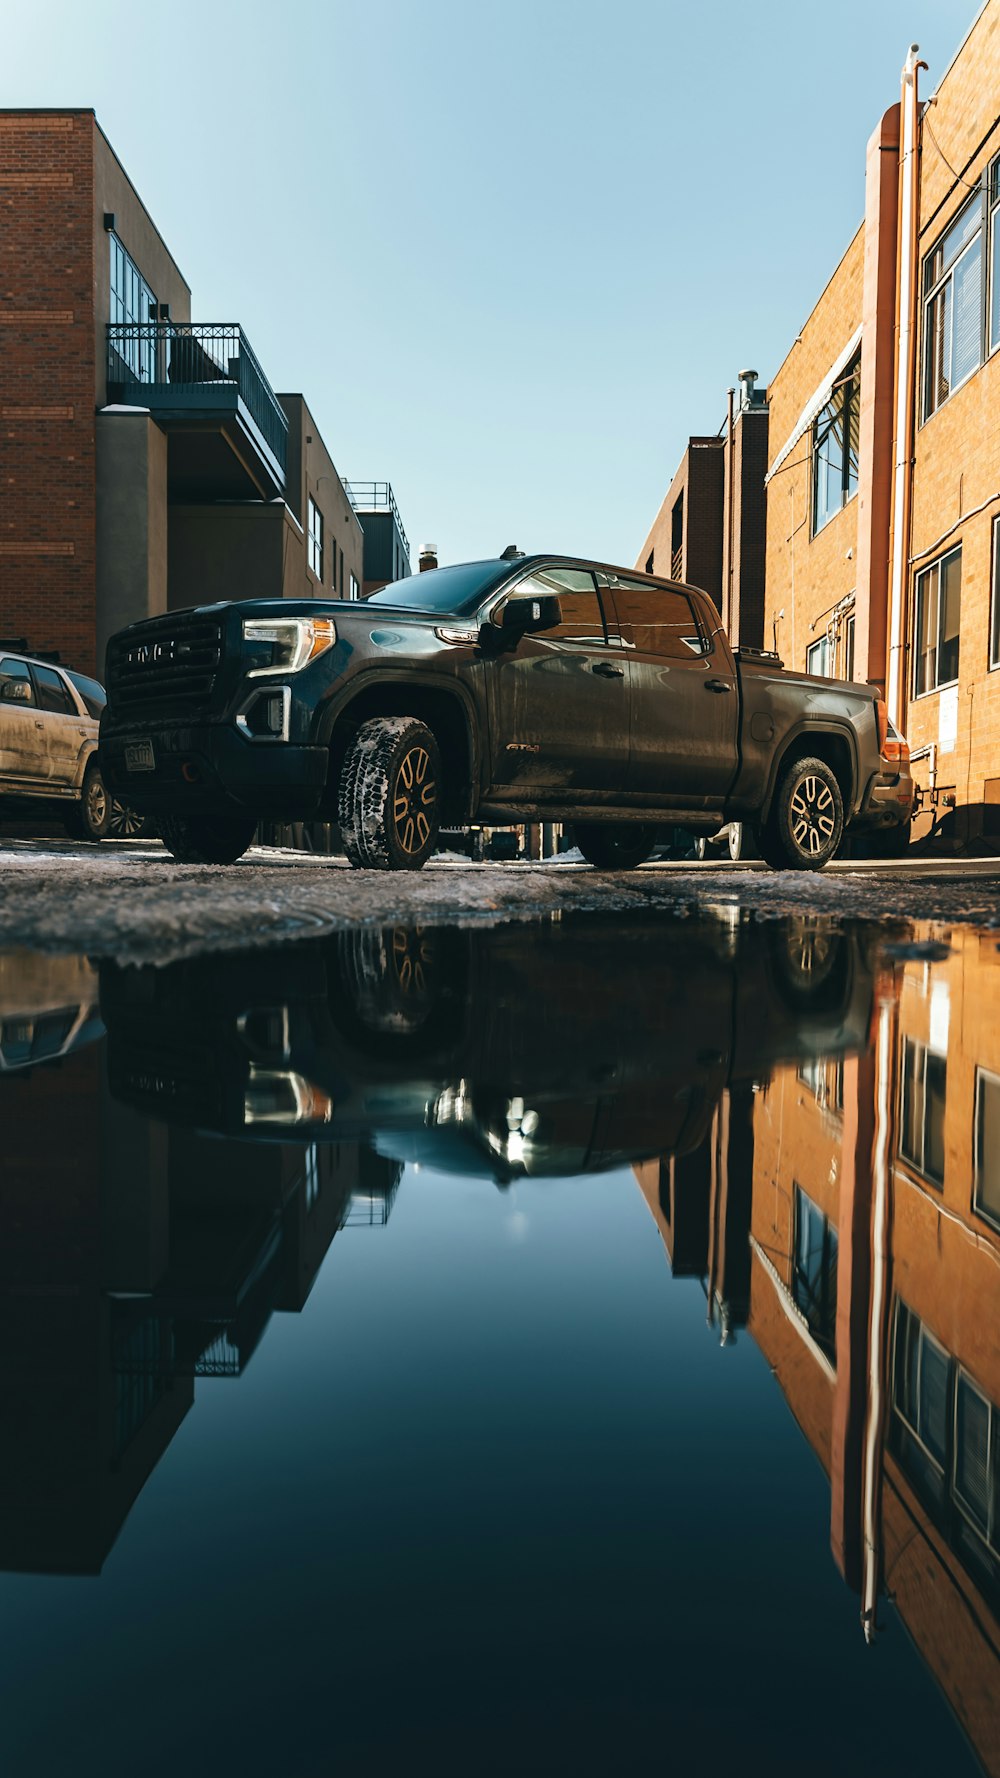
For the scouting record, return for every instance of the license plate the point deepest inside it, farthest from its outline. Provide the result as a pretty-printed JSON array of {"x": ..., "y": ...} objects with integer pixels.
[{"x": 139, "y": 757}]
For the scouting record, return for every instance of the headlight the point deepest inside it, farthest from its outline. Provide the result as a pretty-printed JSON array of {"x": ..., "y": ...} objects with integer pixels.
[{"x": 293, "y": 641}]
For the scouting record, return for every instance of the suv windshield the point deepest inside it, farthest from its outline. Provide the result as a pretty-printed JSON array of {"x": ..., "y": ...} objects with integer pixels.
[{"x": 457, "y": 590}]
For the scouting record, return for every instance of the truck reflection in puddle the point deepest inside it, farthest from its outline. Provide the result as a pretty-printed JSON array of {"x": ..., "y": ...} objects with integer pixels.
[{"x": 812, "y": 1117}]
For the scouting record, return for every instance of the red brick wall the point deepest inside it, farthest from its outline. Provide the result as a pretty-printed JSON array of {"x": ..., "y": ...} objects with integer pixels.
[{"x": 47, "y": 466}]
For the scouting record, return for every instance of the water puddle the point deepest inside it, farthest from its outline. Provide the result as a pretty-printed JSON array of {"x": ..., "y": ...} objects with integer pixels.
[{"x": 577, "y": 1342}]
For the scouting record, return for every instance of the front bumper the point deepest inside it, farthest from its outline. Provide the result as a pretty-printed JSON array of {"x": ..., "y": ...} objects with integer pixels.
[{"x": 211, "y": 766}]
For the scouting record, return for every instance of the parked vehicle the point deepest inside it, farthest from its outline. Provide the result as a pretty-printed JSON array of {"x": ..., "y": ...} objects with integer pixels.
[
  {"x": 49, "y": 717},
  {"x": 521, "y": 689}
]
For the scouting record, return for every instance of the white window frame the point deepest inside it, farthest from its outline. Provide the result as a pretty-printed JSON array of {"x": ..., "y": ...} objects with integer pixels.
[
  {"x": 994, "y": 636},
  {"x": 934, "y": 292},
  {"x": 922, "y": 1050},
  {"x": 982, "y": 1074},
  {"x": 934, "y": 567},
  {"x": 315, "y": 535},
  {"x": 821, "y": 643}
]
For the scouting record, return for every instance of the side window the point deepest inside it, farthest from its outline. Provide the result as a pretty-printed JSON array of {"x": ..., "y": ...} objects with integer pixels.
[
  {"x": 662, "y": 620},
  {"x": 582, "y": 618},
  {"x": 15, "y": 683},
  {"x": 52, "y": 693}
]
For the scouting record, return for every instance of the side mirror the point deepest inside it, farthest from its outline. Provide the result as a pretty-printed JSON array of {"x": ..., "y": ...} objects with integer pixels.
[
  {"x": 15, "y": 691},
  {"x": 528, "y": 614}
]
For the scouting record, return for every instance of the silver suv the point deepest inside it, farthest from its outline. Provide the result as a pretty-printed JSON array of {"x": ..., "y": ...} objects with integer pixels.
[{"x": 49, "y": 718}]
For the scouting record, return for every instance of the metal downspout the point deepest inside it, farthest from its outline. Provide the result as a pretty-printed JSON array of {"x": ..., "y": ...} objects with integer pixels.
[{"x": 906, "y": 286}]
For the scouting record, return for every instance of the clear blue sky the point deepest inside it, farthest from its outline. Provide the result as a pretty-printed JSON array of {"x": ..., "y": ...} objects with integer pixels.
[{"x": 511, "y": 254}]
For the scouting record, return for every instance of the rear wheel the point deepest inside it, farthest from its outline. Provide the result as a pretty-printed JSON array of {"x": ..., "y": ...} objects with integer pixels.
[
  {"x": 207, "y": 839},
  {"x": 806, "y": 823},
  {"x": 126, "y": 823},
  {"x": 610, "y": 846},
  {"x": 389, "y": 798}
]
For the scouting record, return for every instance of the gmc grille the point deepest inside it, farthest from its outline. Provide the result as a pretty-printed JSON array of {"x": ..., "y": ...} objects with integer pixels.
[{"x": 164, "y": 663}]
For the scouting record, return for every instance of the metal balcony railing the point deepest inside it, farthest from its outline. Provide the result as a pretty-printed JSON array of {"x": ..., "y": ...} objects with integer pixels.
[
  {"x": 164, "y": 359},
  {"x": 376, "y": 497},
  {"x": 677, "y": 565}
]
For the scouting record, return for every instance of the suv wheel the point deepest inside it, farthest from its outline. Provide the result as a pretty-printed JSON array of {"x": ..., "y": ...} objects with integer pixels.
[
  {"x": 91, "y": 819},
  {"x": 610, "y": 846},
  {"x": 806, "y": 822},
  {"x": 389, "y": 798},
  {"x": 207, "y": 839}
]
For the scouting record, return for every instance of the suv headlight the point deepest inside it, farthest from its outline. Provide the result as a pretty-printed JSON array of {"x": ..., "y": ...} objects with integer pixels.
[{"x": 293, "y": 641}]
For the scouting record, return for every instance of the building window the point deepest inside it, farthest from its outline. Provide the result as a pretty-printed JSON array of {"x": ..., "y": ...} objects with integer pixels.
[
  {"x": 849, "y": 648},
  {"x": 923, "y": 1090},
  {"x": 936, "y": 621},
  {"x": 814, "y": 1272},
  {"x": 355, "y": 589},
  {"x": 825, "y": 1079},
  {"x": 340, "y": 570},
  {"x": 649, "y": 561},
  {"x": 920, "y": 1384},
  {"x": 995, "y": 599},
  {"x": 977, "y": 1466},
  {"x": 133, "y": 305},
  {"x": 315, "y": 539},
  {"x": 987, "y": 1190},
  {"x": 819, "y": 657},
  {"x": 835, "y": 448},
  {"x": 953, "y": 307}
]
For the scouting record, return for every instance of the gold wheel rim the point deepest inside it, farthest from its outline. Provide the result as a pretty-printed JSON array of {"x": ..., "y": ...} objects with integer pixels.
[
  {"x": 412, "y": 956},
  {"x": 413, "y": 799},
  {"x": 97, "y": 802}
]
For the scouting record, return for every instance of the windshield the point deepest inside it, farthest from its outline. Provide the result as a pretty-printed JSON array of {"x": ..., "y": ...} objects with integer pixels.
[{"x": 457, "y": 590}]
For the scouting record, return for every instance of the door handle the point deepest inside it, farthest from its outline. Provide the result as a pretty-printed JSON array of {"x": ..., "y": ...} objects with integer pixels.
[
  {"x": 607, "y": 671},
  {"x": 717, "y": 685}
]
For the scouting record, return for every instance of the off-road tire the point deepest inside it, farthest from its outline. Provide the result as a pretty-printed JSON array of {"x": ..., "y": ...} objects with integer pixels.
[
  {"x": 615, "y": 846},
  {"x": 90, "y": 818},
  {"x": 207, "y": 839},
  {"x": 389, "y": 798},
  {"x": 806, "y": 822}
]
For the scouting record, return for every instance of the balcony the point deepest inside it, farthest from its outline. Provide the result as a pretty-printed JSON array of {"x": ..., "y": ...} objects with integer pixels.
[{"x": 227, "y": 431}]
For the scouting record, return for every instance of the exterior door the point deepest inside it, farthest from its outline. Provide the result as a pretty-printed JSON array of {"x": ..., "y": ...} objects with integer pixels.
[
  {"x": 20, "y": 723},
  {"x": 685, "y": 701},
  {"x": 559, "y": 716},
  {"x": 62, "y": 730}
]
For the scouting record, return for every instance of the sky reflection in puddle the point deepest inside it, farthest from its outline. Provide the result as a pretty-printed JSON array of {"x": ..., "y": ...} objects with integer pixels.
[{"x": 498, "y": 1498}]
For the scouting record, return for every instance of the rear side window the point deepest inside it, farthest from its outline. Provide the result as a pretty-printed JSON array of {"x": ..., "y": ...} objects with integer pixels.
[
  {"x": 52, "y": 693},
  {"x": 662, "y": 620},
  {"x": 582, "y": 618},
  {"x": 92, "y": 692},
  {"x": 15, "y": 683}
]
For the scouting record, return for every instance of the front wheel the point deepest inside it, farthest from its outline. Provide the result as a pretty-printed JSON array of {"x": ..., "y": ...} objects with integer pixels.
[
  {"x": 806, "y": 823},
  {"x": 389, "y": 798},
  {"x": 90, "y": 819},
  {"x": 207, "y": 839},
  {"x": 613, "y": 846}
]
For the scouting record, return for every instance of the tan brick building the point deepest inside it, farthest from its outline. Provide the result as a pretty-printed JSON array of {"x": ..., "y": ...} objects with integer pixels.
[{"x": 883, "y": 462}]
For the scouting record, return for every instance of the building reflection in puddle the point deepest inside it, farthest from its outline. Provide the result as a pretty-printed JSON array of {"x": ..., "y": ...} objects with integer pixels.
[{"x": 811, "y": 1115}]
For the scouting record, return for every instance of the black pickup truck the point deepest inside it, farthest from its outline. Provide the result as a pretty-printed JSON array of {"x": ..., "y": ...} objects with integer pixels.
[{"x": 535, "y": 688}]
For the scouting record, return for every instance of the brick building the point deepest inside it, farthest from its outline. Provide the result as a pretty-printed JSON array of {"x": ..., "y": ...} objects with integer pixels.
[
  {"x": 710, "y": 529},
  {"x": 882, "y": 478},
  {"x": 145, "y": 460}
]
